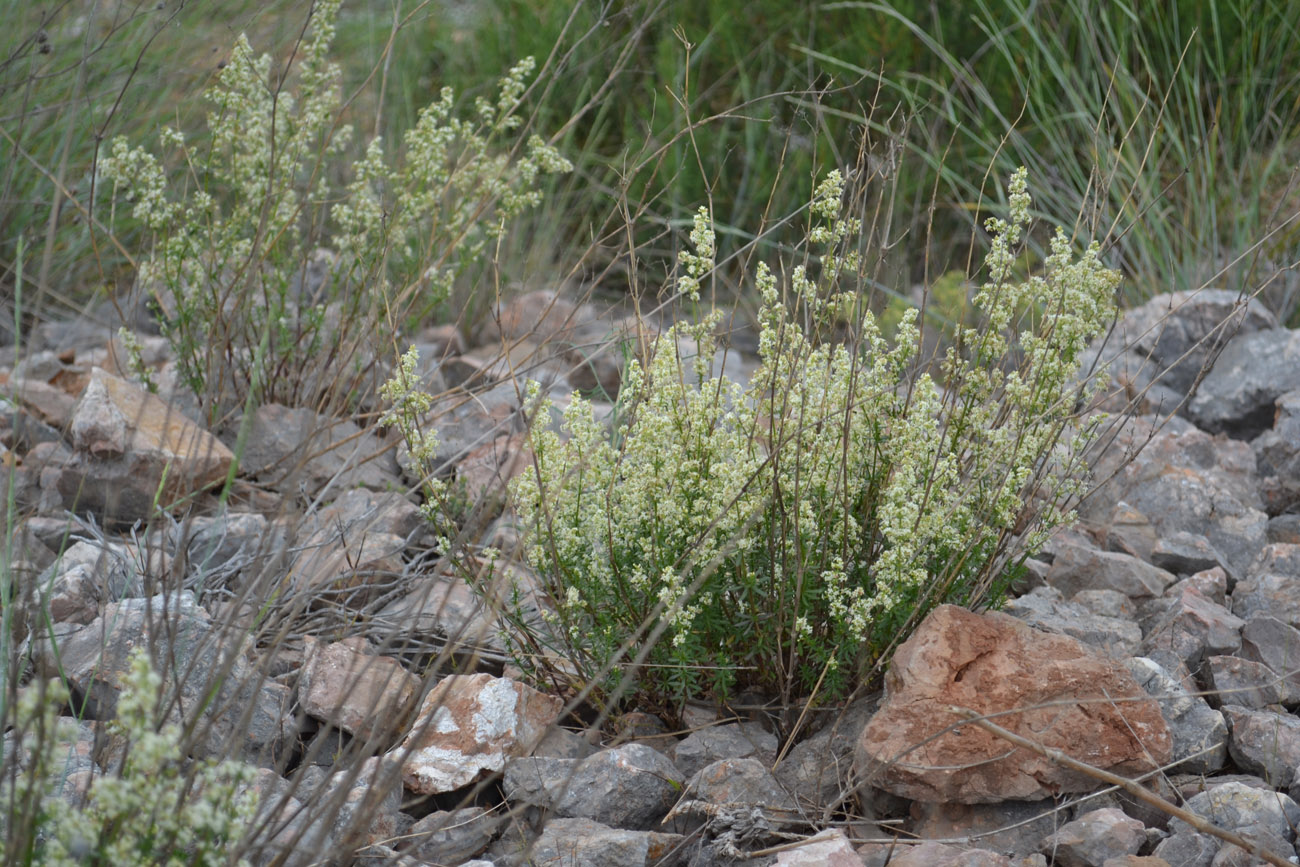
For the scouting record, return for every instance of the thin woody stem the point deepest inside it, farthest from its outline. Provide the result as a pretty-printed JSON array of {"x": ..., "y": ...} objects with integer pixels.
[{"x": 1134, "y": 789}]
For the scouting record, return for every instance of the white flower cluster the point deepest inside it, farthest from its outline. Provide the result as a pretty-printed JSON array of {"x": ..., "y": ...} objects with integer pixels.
[
  {"x": 155, "y": 808},
  {"x": 454, "y": 189},
  {"x": 408, "y": 405},
  {"x": 699, "y": 263}
]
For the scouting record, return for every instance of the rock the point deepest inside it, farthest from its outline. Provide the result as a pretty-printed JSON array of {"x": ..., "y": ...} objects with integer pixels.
[
  {"x": 1182, "y": 480},
  {"x": 298, "y": 451},
  {"x": 732, "y": 782},
  {"x": 1247, "y": 683},
  {"x": 584, "y": 843},
  {"x": 1200, "y": 734},
  {"x": 1192, "y": 627},
  {"x": 1265, "y": 743},
  {"x": 364, "y": 511},
  {"x": 1235, "y": 805},
  {"x": 464, "y": 421},
  {"x": 816, "y": 771},
  {"x": 943, "y": 855},
  {"x": 1045, "y": 608},
  {"x": 830, "y": 848},
  {"x": 1272, "y": 586},
  {"x": 1162, "y": 346},
  {"x": 470, "y": 724},
  {"x": 1012, "y": 828},
  {"x": 1284, "y": 528},
  {"x": 1277, "y": 456},
  {"x": 1251, "y": 373},
  {"x": 1094, "y": 838},
  {"x": 368, "y": 696},
  {"x": 1188, "y": 849},
  {"x": 233, "y": 712},
  {"x": 1185, "y": 553},
  {"x": 1078, "y": 567},
  {"x": 134, "y": 450},
  {"x": 992, "y": 663},
  {"x": 488, "y": 469},
  {"x": 1260, "y": 836},
  {"x": 1275, "y": 644},
  {"x": 730, "y": 741},
  {"x": 451, "y": 837},
  {"x": 632, "y": 786}
]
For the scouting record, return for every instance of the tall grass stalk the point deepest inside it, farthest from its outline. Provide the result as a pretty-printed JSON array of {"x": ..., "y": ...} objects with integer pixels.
[{"x": 1170, "y": 131}]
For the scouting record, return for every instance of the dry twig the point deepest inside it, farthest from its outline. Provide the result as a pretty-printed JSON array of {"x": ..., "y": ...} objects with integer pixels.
[{"x": 1134, "y": 789}]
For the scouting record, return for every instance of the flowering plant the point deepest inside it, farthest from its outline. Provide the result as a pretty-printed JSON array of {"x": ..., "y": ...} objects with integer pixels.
[
  {"x": 248, "y": 301},
  {"x": 785, "y": 534}
]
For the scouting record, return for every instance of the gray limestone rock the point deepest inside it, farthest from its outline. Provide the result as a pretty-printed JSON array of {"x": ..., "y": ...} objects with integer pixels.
[
  {"x": 1045, "y": 608},
  {"x": 1235, "y": 805},
  {"x": 1251, "y": 373},
  {"x": 1272, "y": 586},
  {"x": 632, "y": 786},
  {"x": 580, "y": 842},
  {"x": 1077, "y": 567},
  {"x": 1265, "y": 742},
  {"x": 1093, "y": 838},
  {"x": 1275, "y": 644},
  {"x": 1200, "y": 733},
  {"x": 235, "y": 712},
  {"x": 730, "y": 741},
  {"x": 1245, "y": 682},
  {"x": 1191, "y": 627}
]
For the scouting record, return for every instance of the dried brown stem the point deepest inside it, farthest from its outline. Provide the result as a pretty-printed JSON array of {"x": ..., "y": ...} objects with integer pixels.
[{"x": 1134, "y": 789}]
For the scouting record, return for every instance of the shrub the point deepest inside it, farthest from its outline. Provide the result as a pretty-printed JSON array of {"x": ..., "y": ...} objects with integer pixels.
[
  {"x": 249, "y": 304},
  {"x": 155, "y": 808},
  {"x": 784, "y": 535}
]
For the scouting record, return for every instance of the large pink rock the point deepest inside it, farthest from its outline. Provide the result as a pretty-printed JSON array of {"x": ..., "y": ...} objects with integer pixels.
[
  {"x": 1062, "y": 695},
  {"x": 469, "y": 725}
]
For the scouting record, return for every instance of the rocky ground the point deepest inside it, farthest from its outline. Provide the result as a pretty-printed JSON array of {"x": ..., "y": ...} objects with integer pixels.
[{"x": 1158, "y": 639}]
